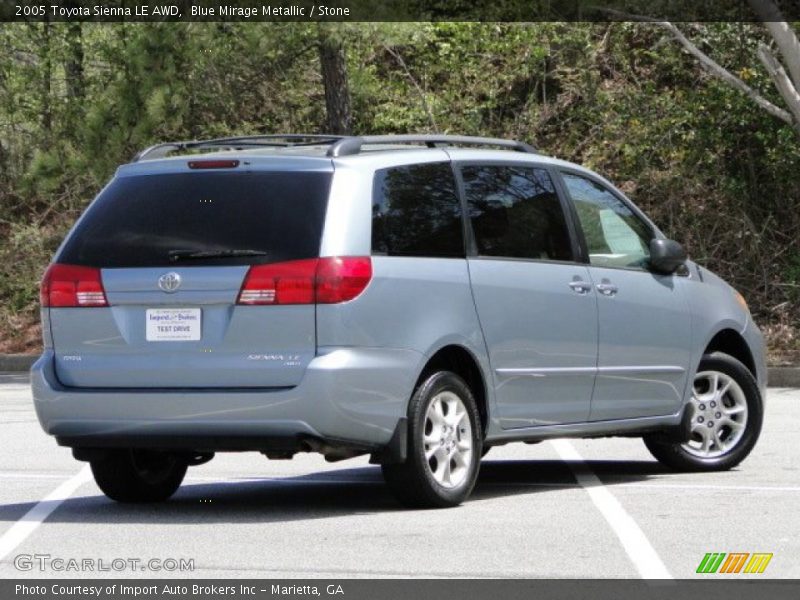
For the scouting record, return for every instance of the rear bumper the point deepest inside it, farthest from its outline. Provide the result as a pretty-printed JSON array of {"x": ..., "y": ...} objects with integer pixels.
[{"x": 348, "y": 397}]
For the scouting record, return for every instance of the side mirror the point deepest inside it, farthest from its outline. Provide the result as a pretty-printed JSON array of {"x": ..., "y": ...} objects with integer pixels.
[{"x": 666, "y": 256}]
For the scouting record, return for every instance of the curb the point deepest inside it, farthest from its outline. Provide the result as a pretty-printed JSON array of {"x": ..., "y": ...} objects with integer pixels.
[
  {"x": 784, "y": 377},
  {"x": 17, "y": 362},
  {"x": 777, "y": 376}
]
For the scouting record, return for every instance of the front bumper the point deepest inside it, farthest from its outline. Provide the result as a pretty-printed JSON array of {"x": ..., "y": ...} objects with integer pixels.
[
  {"x": 755, "y": 341},
  {"x": 350, "y": 397}
]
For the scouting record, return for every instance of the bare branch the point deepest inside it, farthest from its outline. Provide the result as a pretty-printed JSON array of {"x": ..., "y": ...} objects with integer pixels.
[
  {"x": 414, "y": 82},
  {"x": 789, "y": 46},
  {"x": 721, "y": 72},
  {"x": 782, "y": 33},
  {"x": 781, "y": 81},
  {"x": 710, "y": 65}
]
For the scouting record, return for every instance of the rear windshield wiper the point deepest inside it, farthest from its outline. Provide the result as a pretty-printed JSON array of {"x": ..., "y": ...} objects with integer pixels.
[{"x": 176, "y": 255}]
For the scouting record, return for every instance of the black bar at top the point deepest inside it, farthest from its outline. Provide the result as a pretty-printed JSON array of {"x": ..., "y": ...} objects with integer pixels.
[{"x": 388, "y": 10}]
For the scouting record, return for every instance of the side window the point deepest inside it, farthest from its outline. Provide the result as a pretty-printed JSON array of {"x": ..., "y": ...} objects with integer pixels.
[
  {"x": 416, "y": 212},
  {"x": 515, "y": 212},
  {"x": 614, "y": 234}
]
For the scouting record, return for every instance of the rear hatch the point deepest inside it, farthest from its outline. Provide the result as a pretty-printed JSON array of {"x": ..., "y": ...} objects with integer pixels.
[{"x": 194, "y": 275}]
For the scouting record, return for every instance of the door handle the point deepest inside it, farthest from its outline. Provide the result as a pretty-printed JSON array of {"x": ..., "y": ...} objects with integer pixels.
[
  {"x": 580, "y": 287},
  {"x": 607, "y": 289}
]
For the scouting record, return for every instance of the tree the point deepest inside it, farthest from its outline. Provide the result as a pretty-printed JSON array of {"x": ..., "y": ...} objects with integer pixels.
[
  {"x": 788, "y": 48},
  {"x": 73, "y": 62},
  {"x": 333, "y": 64},
  {"x": 46, "y": 75},
  {"x": 73, "y": 73}
]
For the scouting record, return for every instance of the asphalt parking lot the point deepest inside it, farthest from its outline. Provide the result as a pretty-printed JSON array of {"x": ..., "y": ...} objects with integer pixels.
[{"x": 596, "y": 508}]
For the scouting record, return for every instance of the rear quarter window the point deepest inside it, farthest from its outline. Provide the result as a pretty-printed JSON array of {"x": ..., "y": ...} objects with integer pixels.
[
  {"x": 143, "y": 220},
  {"x": 416, "y": 212}
]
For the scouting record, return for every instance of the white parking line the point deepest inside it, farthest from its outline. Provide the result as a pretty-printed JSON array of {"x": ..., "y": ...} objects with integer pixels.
[
  {"x": 26, "y": 525},
  {"x": 34, "y": 476},
  {"x": 691, "y": 486},
  {"x": 300, "y": 479},
  {"x": 642, "y": 554}
]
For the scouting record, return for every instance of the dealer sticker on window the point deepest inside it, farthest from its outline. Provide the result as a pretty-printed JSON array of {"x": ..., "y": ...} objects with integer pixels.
[{"x": 173, "y": 324}]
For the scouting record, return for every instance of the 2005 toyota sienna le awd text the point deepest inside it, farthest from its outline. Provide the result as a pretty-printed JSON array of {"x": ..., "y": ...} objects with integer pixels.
[{"x": 415, "y": 298}]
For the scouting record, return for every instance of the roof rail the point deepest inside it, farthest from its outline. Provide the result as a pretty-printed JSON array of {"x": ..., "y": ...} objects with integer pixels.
[
  {"x": 348, "y": 146},
  {"x": 338, "y": 145},
  {"x": 280, "y": 140}
]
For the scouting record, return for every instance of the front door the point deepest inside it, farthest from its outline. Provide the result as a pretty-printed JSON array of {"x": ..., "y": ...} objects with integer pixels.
[{"x": 644, "y": 322}]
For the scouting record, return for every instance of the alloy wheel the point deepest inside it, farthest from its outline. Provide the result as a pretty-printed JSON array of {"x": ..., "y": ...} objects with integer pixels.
[
  {"x": 447, "y": 440},
  {"x": 720, "y": 415}
]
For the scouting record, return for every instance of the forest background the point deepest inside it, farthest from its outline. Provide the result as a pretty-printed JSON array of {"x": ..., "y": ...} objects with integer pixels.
[{"x": 714, "y": 169}]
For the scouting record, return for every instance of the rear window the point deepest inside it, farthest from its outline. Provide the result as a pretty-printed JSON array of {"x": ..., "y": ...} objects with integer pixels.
[{"x": 161, "y": 220}]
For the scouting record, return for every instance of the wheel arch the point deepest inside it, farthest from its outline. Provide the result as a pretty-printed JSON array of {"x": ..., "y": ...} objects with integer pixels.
[
  {"x": 461, "y": 361},
  {"x": 731, "y": 342}
]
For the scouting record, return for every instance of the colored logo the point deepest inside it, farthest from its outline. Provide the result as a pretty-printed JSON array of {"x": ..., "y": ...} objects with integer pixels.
[{"x": 734, "y": 562}]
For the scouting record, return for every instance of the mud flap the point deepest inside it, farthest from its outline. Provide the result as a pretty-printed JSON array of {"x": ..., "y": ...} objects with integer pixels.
[
  {"x": 396, "y": 451},
  {"x": 682, "y": 432}
]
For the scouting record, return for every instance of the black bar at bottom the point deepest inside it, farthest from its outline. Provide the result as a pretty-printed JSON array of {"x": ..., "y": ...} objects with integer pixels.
[{"x": 713, "y": 588}]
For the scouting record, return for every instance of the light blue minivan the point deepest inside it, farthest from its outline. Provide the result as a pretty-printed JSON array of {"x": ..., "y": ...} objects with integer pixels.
[{"x": 415, "y": 298}]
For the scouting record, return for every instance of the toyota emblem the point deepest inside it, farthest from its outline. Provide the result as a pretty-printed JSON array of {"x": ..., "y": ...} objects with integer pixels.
[{"x": 169, "y": 282}]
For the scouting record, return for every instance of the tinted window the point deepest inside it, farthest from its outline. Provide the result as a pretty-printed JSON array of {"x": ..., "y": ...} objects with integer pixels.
[
  {"x": 515, "y": 213},
  {"x": 138, "y": 221},
  {"x": 416, "y": 212},
  {"x": 614, "y": 234}
]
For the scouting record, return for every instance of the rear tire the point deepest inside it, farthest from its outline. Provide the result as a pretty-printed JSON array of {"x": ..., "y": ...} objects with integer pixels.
[
  {"x": 444, "y": 445},
  {"x": 137, "y": 476},
  {"x": 727, "y": 413}
]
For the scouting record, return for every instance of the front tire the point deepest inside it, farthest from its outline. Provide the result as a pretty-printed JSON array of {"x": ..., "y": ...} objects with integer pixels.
[
  {"x": 137, "y": 476},
  {"x": 727, "y": 414},
  {"x": 444, "y": 445}
]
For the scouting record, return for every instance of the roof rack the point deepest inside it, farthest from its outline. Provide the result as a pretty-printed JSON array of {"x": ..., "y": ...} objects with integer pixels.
[
  {"x": 339, "y": 145},
  {"x": 236, "y": 143},
  {"x": 348, "y": 146}
]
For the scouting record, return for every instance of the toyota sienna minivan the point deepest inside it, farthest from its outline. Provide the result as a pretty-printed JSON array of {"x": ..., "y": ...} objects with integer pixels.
[{"x": 417, "y": 299}]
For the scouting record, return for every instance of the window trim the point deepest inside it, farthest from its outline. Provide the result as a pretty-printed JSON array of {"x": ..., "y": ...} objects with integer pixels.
[
  {"x": 472, "y": 245},
  {"x": 637, "y": 213}
]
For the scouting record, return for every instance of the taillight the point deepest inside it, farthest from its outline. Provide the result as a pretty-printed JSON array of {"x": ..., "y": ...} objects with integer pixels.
[
  {"x": 280, "y": 283},
  {"x": 72, "y": 286},
  {"x": 326, "y": 280},
  {"x": 340, "y": 279}
]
